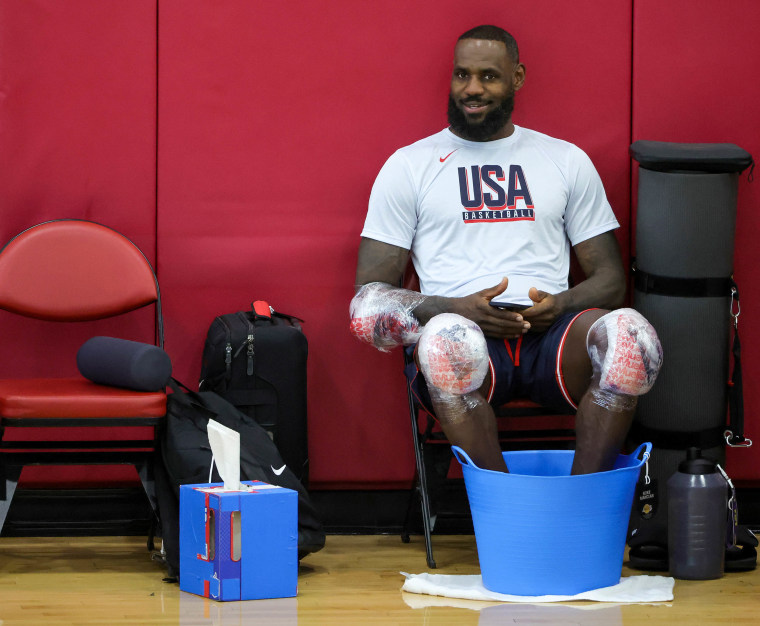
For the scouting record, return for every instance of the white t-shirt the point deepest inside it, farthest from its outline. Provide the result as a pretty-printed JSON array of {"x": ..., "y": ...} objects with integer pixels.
[{"x": 474, "y": 212}]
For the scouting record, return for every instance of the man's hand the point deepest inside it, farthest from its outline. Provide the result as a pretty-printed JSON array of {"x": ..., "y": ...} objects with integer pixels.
[
  {"x": 493, "y": 322},
  {"x": 603, "y": 287},
  {"x": 544, "y": 312}
]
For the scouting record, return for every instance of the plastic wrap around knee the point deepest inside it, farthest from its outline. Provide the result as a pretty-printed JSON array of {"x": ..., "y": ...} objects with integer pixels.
[
  {"x": 626, "y": 357},
  {"x": 452, "y": 408},
  {"x": 382, "y": 316},
  {"x": 453, "y": 355}
]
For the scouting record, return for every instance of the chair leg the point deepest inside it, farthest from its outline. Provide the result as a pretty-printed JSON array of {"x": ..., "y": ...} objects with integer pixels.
[
  {"x": 421, "y": 486},
  {"x": 8, "y": 482},
  {"x": 145, "y": 472},
  {"x": 427, "y": 518},
  {"x": 413, "y": 497}
]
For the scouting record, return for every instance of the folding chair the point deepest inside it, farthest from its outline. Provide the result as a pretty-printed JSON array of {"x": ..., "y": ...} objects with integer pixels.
[
  {"x": 75, "y": 271},
  {"x": 523, "y": 424}
]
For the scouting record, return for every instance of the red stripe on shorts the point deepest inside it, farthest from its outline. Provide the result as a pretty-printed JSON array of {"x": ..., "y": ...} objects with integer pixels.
[{"x": 559, "y": 376}]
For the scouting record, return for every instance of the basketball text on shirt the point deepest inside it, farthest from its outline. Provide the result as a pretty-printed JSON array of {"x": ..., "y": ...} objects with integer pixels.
[{"x": 486, "y": 200}]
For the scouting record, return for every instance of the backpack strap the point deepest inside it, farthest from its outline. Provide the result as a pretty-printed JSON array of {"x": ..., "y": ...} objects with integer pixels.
[
  {"x": 735, "y": 433},
  {"x": 186, "y": 397}
]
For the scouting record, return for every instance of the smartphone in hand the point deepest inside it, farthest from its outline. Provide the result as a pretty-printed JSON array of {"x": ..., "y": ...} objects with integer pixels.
[{"x": 509, "y": 306}]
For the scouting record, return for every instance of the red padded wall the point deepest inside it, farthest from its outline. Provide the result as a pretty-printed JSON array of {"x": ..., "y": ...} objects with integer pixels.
[
  {"x": 77, "y": 139},
  {"x": 274, "y": 119},
  {"x": 695, "y": 74}
]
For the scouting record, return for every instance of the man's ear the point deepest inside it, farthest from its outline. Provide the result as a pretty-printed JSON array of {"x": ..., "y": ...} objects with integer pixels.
[{"x": 518, "y": 77}]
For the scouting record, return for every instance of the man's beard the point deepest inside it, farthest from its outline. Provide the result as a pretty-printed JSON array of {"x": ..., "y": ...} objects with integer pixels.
[{"x": 482, "y": 131}]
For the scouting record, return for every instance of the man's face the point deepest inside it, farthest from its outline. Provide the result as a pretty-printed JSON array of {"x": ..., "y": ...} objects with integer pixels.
[{"x": 483, "y": 86}]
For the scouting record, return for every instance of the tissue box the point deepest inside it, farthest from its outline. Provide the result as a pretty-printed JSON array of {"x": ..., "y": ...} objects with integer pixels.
[{"x": 238, "y": 545}]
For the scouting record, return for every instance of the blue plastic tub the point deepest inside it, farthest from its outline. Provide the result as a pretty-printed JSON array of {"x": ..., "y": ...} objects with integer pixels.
[{"x": 541, "y": 531}]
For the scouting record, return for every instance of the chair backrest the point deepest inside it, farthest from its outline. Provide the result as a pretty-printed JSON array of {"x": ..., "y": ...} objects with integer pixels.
[{"x": 75, "y": 270}]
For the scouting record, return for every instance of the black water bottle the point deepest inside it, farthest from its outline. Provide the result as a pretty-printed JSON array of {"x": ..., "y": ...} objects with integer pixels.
[{"x": 697, "y": 513}]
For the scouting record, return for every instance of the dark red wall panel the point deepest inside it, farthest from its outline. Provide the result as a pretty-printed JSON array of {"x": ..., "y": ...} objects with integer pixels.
[
  {"x": 274, "y": 119},
  {"x": 695, "y": 80},
  {"x": 77, "y": 139}
]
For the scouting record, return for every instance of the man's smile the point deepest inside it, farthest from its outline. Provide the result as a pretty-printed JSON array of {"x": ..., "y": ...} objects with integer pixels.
[{"x": 474, "y": 107}]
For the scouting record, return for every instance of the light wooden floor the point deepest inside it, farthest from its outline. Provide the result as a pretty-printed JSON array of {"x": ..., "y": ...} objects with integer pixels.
[{"x": 354, "y": 580}]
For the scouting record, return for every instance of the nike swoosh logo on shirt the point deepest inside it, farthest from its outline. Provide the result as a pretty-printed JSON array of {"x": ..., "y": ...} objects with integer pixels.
[
  {"x": 277, "y": 472},
  {"x": 442, "y": 159}
]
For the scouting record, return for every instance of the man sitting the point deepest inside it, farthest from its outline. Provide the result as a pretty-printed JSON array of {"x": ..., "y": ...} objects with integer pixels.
[{"x": 489, "y": 211}]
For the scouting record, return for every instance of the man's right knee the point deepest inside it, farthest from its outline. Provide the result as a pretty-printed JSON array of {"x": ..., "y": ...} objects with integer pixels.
[{"x": 452, "y": 355}]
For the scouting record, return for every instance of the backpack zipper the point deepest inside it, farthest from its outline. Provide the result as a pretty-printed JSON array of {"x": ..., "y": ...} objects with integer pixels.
[
  {"x": 227, "y": 348},
  {"x": 249, "y": 342}
]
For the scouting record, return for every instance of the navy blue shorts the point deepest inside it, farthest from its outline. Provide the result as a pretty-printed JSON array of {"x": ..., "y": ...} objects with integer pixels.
[{"x": 527, "y": 367}]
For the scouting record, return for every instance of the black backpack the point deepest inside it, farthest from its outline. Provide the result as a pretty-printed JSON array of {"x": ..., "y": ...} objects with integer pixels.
[
  {"x": 256, "y": 360},
  {"x": 186, "y": 458}
]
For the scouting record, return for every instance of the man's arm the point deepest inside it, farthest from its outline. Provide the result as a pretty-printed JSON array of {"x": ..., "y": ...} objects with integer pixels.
[
  {"x": 381, "y": 311},
  {"x": 385, "y": 263},
  {"x": 380, "y": 262},
  {"x": 603, "y": 287}
]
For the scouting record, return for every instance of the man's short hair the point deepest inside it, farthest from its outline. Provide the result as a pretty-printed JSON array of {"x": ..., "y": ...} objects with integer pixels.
[{"x": 494, "y": 33}]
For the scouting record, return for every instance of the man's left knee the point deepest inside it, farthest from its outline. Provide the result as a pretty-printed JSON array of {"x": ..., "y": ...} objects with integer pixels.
[{"x": 626, "y": 357}]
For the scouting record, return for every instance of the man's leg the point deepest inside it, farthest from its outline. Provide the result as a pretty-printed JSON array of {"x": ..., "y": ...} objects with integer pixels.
[
  {"x": 608, "y": 360},
  {"x": 453, "y": 357},
  {"x": 469, "y": 422}
]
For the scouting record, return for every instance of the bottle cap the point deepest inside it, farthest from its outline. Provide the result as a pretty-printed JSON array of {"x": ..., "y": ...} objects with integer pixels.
[{"x": 695, "y": 463}]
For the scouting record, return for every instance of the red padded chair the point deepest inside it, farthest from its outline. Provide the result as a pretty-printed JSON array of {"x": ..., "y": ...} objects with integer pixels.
[{"x": 73, "y": 271}]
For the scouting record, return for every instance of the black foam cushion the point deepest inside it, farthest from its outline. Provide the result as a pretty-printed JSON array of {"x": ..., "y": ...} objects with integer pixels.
[
  {"x": 123, "y": 363},
  {"x": 717, "y": 158}
]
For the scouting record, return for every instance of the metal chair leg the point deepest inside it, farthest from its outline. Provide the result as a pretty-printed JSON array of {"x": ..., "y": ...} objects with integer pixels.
[
  {"x": 8, "y": 482},
  {"x": 413, "y": 497},
  {"x": 422, "y": 485},
  {"x": 427, "y": 521},
  {"x": 144, "y": 469}
]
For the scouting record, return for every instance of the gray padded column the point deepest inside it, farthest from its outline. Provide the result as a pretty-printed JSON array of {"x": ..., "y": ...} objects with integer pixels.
[
  {"x": 685, "y": 229},
  {"x": 685, "y": 223},
  {"x": 685, "y": 226}
]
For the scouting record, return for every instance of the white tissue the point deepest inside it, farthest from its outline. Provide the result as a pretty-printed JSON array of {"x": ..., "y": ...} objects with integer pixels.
[{"x": 225, "y": 448}]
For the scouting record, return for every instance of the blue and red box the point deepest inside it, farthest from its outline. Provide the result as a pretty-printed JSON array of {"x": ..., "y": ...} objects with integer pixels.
[{"x": 238, "y": 545}]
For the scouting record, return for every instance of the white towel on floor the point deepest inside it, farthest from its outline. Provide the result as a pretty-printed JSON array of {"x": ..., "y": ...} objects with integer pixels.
[{"x": 629, "y": 589}]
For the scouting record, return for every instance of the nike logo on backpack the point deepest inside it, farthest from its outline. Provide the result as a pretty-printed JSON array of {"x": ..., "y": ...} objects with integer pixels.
[{"x": 277, "y": 472}]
